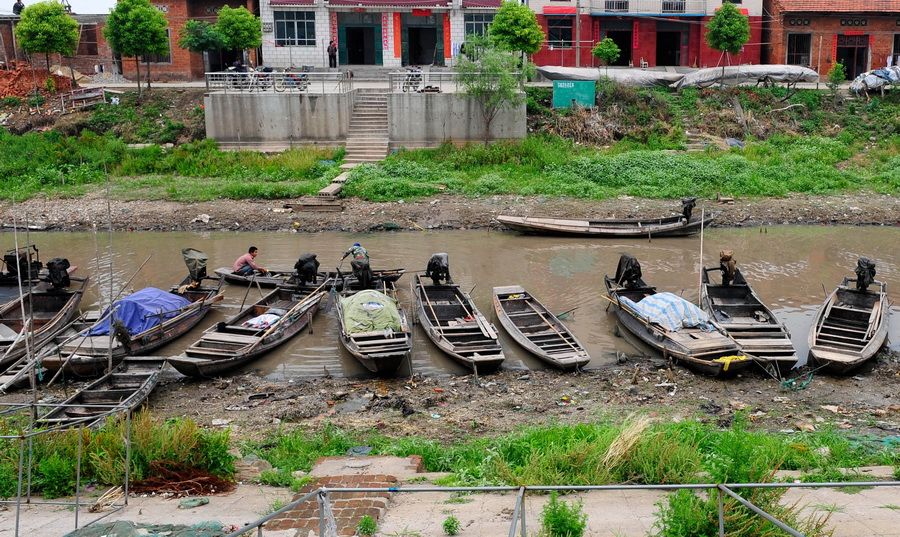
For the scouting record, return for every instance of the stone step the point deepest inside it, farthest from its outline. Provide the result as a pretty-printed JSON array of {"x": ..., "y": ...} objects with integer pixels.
[{"x": 364, "y": 157}]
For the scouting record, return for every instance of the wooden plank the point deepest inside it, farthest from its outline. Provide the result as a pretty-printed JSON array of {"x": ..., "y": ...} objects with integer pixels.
[{"x": 228, "y": 338}]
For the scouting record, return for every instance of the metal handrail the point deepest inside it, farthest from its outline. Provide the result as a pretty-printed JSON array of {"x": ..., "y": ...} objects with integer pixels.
[
  {"x": 413, "y": 81},
  {"x": 518, "y": 521},
  {"x": 287, "y": 81}
]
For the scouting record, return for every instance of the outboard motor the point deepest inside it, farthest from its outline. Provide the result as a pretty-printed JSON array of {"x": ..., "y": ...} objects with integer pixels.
[
  {"x": 865, "y": 273},
  {"x": 628, "y": 272},
  {"x": 195, "y": 260},
  {"x": 687, "y": 207},
  {"x": 439, "y": 268},
  {"x": 17, "y": 262},
  {"x": 306, "y": 268},
  {"x": 58, "y": 270},
  {"x": 728, "y": 266}
]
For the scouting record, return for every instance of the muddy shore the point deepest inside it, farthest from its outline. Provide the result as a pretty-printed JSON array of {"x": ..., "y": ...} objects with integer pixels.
[
  {"x": 454, "y": 408},
  {"x": 439, "y": 212}
]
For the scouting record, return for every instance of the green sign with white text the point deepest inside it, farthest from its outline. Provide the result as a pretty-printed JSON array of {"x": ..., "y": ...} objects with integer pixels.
[{"x": 567, "y": 93}]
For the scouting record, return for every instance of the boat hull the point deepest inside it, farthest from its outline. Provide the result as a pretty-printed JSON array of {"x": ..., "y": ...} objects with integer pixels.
[{"x": 663, "y": 227}]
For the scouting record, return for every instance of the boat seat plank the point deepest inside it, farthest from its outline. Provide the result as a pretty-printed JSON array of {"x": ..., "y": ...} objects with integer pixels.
[
  {"x": 828, "y": 326},
  {"x": 522, "y": 314},
  {"x": 228, "y": 338},
  {"x": 850, "y": 308}
]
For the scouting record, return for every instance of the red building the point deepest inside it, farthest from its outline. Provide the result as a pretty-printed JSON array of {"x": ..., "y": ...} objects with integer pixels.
[
  {"x": 861, "y": 34},
  {"x": 648, "y": 32},
  {"x": 180, "y": 64}
]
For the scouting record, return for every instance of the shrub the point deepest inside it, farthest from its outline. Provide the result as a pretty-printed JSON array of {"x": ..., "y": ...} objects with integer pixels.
[
  {"x": 451, "y": 525},
  {"x": 56, "y": 476},
  {"x": 367, "y": 526},
  {"x": 10, "y": 101},
  {"x": 36, "y": 100},
  {"x": 562, "y": 519}
]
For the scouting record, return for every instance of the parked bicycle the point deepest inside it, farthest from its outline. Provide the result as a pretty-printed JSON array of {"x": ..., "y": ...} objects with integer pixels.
[
  {"x": 413, "y": 79},
  {"x": 241, "y": 78},
  {"x": 291, "y": 79}
]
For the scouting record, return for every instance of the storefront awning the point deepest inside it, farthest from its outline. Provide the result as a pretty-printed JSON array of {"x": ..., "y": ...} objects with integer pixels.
[
  {"x": 390, "y": 3},
  {"x": 495, "y": 4},
  {"x": 559, "y": 10}
]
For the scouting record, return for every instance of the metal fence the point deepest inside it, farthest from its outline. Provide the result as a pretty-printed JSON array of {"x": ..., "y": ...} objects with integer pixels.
[
  {"x": 35, "y": 428},
  {"x": 427, "y": 81},
  {"x": 279, "y": 82},
  {"x": 518, "y": 526}
]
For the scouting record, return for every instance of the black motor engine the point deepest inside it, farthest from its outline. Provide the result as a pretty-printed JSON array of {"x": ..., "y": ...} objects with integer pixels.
[
  {"x": 687, "y": 207},
  {"x": 306, "y": 268},
  {"x": 58, "y": 269},
  {"x": 865, "y": 273},
  {"x": 439, "y": 268},
  {"x": 628, "y": 272}
]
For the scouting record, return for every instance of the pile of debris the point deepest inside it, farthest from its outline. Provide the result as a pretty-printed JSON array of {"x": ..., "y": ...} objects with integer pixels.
[{"x": 20, "y": 82}]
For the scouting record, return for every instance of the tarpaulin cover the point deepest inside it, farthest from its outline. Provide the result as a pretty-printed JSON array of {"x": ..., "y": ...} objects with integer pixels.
[
  {"x": 627, "y": 77},
  {"x": 741, "y": 74},
  {"x": 370, "y": 311},
  {"x": 670, "y": 311},
  {"x": 139, "y": 311}
]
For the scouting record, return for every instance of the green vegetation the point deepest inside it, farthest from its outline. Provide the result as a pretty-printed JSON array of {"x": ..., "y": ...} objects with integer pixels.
[
  {"x": 490, "y": 79},
  {"x": 515, "y": 28},
  {"x": 177, "y": 442},
  {"x": 46, "y": 28},
  {"x": 367, "y": 526},
  {"x": 728, "y": 30},
  {"x": 580, "y": 454},
  {"x": 451, "y": 525},
  {"x": 607, "y": 51},
  {"x": 136, "y": 29},
  {"x": 240, "y": 29},
  {"x": 191, "y": 172},
  {"x": 10, "y": 101},
  {"x": 562, "y": 519},
  {"x": 200, "y": 36}
]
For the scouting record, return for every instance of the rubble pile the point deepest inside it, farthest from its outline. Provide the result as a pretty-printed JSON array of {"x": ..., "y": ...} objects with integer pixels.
[{"x": 19, "y": 82}]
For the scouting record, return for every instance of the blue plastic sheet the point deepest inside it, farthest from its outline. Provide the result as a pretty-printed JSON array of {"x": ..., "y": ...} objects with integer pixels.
[
  {"x": 670, "y": 311},
  {"x": 141, "y": 311}
]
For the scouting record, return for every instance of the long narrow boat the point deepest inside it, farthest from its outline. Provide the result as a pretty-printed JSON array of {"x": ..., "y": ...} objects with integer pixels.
[
  {"x": 49, "y": 308},
  {"x": 706, "y": 350},
  {"x": 257, "y": 329},
  {"x": 675, "y": 226},
  {"x": 452, "y": 321},
  {"x": 85, "y": 353},
  {"x": 286, "y": 278},
  {"x": 746, "y": 319},
  {"x": 537, "y": 329},
  {"x": 374, "y": 329},
  {"x": 123, "y": 390},
  {"x": 850, "y": 327}
]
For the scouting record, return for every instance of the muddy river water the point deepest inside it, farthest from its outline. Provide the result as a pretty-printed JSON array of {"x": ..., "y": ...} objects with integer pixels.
[{"x": 787, "y": 266}]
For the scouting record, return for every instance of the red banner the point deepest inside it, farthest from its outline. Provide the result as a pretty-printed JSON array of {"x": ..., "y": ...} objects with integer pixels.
[
  {"x": 448, "y": 49},
  {"x": 634, "y": 35},
  {"x": 421, "y": 13}
]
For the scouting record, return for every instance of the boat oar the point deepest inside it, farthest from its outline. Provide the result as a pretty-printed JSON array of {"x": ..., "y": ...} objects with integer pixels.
[
  {"x": 307, "y": 302},
  {"x": 562, "y": 316},
  {"x": 333, "y": 291}
]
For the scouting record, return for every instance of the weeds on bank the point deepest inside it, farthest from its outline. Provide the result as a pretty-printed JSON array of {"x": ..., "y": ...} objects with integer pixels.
[
  {"x": 179, "y": 441},
  {"x": 562, "y": 519},
  {"x": 53, "y": 164}
]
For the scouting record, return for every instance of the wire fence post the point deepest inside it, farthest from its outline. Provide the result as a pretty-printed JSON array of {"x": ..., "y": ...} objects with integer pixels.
[
  {"x": 323, "y": 497},
  {"x": 19, "y": 489},
  {"x": 522, "y": 514},
  {"x": 721, "y": 501},
  {"x": 127, "y": 453},
  {"x": 30, "y": 466},
  {"x": 78, "y": 474},
  {"x": 516, "y": 512}
]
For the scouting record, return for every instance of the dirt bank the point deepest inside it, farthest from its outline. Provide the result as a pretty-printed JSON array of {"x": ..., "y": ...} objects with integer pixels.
[
  {"x": 450, "y": 408},
  {"x": 440, "y": 212}
]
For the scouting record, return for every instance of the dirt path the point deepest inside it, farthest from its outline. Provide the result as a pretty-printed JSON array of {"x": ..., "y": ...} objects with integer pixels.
[{"x": 440, "y": 212}]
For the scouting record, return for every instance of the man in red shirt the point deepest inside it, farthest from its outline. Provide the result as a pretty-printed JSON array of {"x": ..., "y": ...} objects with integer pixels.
[{"x": 244, "y": 265}]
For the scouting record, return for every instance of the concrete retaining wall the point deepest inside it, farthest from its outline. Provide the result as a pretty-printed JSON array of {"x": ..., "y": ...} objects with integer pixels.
[
  {"x": 430, "y": 119},
  {"x": 254, "y": 118}
]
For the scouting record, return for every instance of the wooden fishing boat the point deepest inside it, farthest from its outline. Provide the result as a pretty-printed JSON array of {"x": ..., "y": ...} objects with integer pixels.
[
  {"x": 741, "y": 313},
  {"x": 124, "y": 389},
  {"x": 850, "y": 327},
  {"x": 453, "y": 322},
  {"x": 708, "y": 352},
  {"x": 675, "y": 226},
  {"x": 237, "y": 341},
  {"x": 537, "y": 329},
  {"x": 84, "y": 355},
  {"x": 374, "y": 329},
  {"x": 286, "y": 278},
  {"x": 47, "y": 310}
]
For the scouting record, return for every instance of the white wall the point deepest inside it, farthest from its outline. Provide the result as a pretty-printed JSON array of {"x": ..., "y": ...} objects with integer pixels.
[{"x": 282, "y": 57}]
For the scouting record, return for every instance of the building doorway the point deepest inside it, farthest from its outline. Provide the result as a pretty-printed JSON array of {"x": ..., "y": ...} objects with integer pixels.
[
  {"x": 853, "y": 52},
  {"x": 422, "y": 45},
  {"x": 622, "y": 39},
  {"x": 668, "y": 48},
  {"x": 359, "y": 45}
]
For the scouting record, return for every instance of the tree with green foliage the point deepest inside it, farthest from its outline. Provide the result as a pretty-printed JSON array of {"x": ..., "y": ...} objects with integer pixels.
[
  {"x": 836, "y": 75},
  {"x": 490, "y": 78},
  {"x": 46, "y": 28},
  {"x": 200, "y": 36},
  {"x": 135, "y": 28},
  {"x": 728, "y": 31},
  {"x": 515, "y": 28},
  {"x": 607, "y": 51},
  {"x": 240, "y": 29}
]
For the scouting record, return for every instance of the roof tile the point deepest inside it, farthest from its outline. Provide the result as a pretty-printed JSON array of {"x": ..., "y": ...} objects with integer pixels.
[{"x": 841, "y": 6}]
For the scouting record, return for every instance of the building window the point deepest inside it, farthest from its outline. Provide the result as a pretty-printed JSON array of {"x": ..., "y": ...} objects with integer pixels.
[
  {"x": 87, "y": 45},
  {"x": 559, "y": 32},
  {"x": 673, "y": 6},
  {"x": 799, "y": 48},
  {"x": 162, "y": 58},
  {"x": 477, "y": 23},
  {"x": 295, "y": 29}
]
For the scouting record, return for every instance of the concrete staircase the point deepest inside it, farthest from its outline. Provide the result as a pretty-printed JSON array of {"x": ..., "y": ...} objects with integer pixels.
[{"x": 367, "y": 140}]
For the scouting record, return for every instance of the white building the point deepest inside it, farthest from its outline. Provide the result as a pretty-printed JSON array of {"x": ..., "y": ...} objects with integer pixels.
[{"x": 390, "y": 33}]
